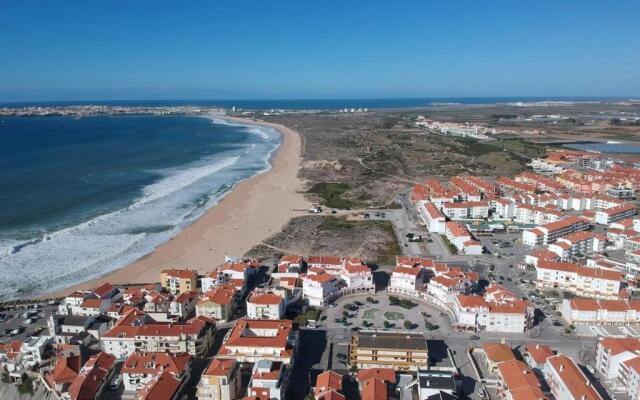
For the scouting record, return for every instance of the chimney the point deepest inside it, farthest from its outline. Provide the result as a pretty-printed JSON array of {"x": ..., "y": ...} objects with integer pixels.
[
  {"x": 583, "y": 397},
  {"x": 537, "y": 346},
  {"x": 561, "y": 367}
]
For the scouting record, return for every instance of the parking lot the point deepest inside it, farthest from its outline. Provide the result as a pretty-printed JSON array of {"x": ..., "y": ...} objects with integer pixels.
[
  {"x": 21, "y": 322},
  {"x": 588, "y": 330}
]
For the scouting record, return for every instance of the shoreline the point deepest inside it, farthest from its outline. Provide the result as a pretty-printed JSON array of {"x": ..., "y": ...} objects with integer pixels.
[{"x": 231, "y": 227}]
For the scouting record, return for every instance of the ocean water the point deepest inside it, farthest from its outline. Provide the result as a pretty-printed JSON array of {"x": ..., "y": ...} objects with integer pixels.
[
  {"x": 82, "y": 197},
  {"x": 317, "y": 104}
]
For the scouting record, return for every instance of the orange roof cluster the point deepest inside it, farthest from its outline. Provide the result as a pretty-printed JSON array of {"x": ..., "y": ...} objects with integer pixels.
[
  {"x": 516, "y": 375},
  {"x": 322, "y": 277},
  {"x": 615, "y": 346},
  {"x": 161, "y": 387},
  {"x": 328, "y": 381},
  {"x": 92, "y": 376},
  {"x": 65, "y": 371},
  {"x": 576, "y": 237},
  {"x": 456, "y": 229},
  {"x": 152, "y": 363},
  {"x": 467, "y": 204},
  {"x": 223, "y": 295},
  {"x": 264, "y": 298},
  {"x": 192, "y": 327},
  {"x": 325, "y": 260},
  {"x": 433, "y": 211},
  {"x": 180, "y": 273},
  {"x": 220, "y": 367},
  {"x": 539, "y": 353},
  {"x": 619, "y": 209},
  {"x": 564, "y": 223},
  {"x": 498, "y": 352},
  {"x": 103, "y": 290},
  {"x": 250, "y": 333}
]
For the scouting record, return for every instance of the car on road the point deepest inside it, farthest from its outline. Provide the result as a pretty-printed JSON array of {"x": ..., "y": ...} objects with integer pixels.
[
  {"x": 29, "y": 321},
  {"x": 17, "y": 331},
  {"x": 115, "y": 382}
]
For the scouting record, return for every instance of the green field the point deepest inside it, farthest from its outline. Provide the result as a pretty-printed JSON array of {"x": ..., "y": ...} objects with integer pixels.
[{"x": 393, "y": 315}]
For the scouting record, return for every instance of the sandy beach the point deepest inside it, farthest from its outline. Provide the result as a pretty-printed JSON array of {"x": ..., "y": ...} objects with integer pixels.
[{"x": 254, "y": 210}]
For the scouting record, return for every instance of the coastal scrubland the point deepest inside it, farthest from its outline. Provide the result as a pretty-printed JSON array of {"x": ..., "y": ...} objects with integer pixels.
[
  {"x": 364, "y": 160},
  {"x": 373, "y": 241}
]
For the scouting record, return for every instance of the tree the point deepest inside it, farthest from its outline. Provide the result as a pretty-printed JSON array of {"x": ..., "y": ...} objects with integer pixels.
[{"x": 408, "y": 324}]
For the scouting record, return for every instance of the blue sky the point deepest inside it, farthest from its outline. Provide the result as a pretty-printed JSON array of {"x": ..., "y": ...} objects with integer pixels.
[{"x": 72, "y": 50}]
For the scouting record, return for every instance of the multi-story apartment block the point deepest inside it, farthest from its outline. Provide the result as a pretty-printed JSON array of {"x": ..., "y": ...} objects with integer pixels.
[
  {"x": 431, "y": 216},
  {"x": 546, "y": 234},
  {"x": 466, "y": 210},
  {"x": 193, "y": 337},
  {"x": 320, "y": 288},
  {"x": 583, "y": 281},
  {"x": 178, "y": 281},
  {"x": 251, "y": 340},
  {"x": 265, "y": 305},
  {"x": 357, "y": 277},
  {"x": 402, "y": 351},
  {"x": 220, "y": 381},
  {"x": 479, "y": 313},
  {"x": 566, "y": 381},
  {"x": 612, "y": 356},
  {"x": 609, "y": 215},
  {"x": 592, "y": 311},
  {"x": 217, "y": 304},
  {"x": 578, "y": 244},
  {"x": 140, "y": 368}
]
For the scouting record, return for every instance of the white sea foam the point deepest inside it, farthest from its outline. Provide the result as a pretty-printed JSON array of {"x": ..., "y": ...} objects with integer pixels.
[
  {"x": 182, "y": 179},
  {"x": 89, "y": 249}
]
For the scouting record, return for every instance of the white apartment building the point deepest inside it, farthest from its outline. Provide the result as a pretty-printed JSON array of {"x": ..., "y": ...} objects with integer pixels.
[
  {"x": 431, "y": 216},
  {"x": 407, "y": 280},
  {"x": 531, "y": 214},
  {"x": 611, "y": 355},
  {"x": 357, "y": 277},
  {"x": 140, "y": 368},
  {"x": 578, "y": 244},
  {"x": 33, "y": 349},
  {"x": 566, "y": 381},
  {"x": 461, "y": 238},
  {"x": 609, "y": 215},
  {"x": 265, "y": 305},
  {"x": 251, "y": 340},
  {"x": 503, "y": 208},
  {"x": 320, "y": 289},
  {"x": 592, "y": 311},
  {"x": 466, "y": 210},
  {"x": 478, "y": 314},
  {"x": 330, "y": 264},
  {"x": 193, "y": 337},
  {"x": 268, "y": 380},
  {"x": 583, "y": 281},
  {"x": 217, "y": 304}
]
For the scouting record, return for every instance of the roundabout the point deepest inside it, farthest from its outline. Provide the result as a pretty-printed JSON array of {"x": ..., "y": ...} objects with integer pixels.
[{"x": 384, "y": 311}]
